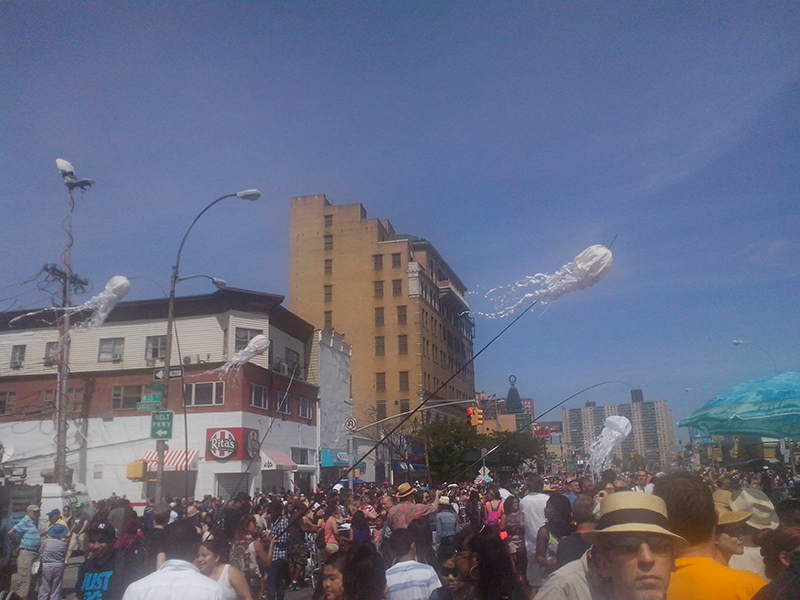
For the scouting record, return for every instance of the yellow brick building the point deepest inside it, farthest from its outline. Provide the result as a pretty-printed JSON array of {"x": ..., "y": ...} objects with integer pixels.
[{"x": 393, "y": 297}]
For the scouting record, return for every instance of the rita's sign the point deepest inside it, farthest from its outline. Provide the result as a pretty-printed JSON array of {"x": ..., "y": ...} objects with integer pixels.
[{"x": 231, "y": 443}]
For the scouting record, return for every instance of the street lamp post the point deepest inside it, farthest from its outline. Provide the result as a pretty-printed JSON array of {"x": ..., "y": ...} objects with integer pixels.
[
  {"x": 251, "y": 195},
  {"x": 764, "y": 350}
]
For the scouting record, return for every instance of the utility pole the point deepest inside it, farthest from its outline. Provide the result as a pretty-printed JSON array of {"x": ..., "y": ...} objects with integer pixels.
[{"x": 68, "y": 279}]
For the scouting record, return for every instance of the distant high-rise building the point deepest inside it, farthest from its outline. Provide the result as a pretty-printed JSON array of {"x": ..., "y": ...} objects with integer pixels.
[
  {"x": 394, "y": 298},
  {"x": 652, "y": 428}
]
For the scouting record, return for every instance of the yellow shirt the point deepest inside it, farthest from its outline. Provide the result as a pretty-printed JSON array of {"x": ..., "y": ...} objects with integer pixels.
[{"x": 697, "y": 578}]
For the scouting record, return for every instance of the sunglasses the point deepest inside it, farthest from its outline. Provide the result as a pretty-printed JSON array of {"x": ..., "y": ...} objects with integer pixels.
[{"x": 628, "y": 545}]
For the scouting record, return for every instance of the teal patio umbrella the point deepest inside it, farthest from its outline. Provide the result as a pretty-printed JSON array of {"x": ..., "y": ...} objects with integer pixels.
[{"x": 768, "y": 407}]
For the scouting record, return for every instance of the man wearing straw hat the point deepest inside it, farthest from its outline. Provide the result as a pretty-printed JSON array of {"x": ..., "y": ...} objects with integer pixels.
[
  {"x": 405, "y": 511},
  {"x": 632, "y": 554}
]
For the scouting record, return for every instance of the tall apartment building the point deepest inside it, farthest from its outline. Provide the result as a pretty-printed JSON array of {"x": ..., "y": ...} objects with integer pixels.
[
  {"x": 397, "y": 301},
  {"x": 652, "y": 428}
]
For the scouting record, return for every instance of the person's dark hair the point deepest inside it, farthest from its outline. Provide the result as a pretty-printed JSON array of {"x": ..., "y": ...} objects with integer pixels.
[
  {"x": 245, "y": 521},
  {"x": 788, "y": 511},
  {"x": 509, "y": 503},
  {"x": 359, "y": 520},
  {"x": 330, "y": 509},
  {"x": 690, "y": 505},
  {"x": 364, "y": 573},
  {"x": 586, "y": 484},
  {"x": 535, "y": 483},
  {"x": 181, "y": 540},
  {"x": 336, "y": 561},
  {"x": 161, "y": 513},
  {"x": 276, "y": 508},
  {"x": 474, "y": 495},
  {"x": 218, "y": 546},
  {"x": 561, "y": 522},
  {"x": 400, "y": 542},
  {"x": 583, "y": 510},
  {"x": 496, "y": 578},
  {"x": 784, "y": 539}
]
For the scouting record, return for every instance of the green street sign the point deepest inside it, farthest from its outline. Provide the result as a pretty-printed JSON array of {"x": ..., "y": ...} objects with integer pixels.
[
  {"x": 149, "y": 402},
  {"x": 161, "y": 424}
]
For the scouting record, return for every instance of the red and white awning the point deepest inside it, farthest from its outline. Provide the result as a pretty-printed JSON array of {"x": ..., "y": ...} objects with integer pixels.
[
  {"x": 273, "y": 460},
  {"x": 174, "y": 460}
]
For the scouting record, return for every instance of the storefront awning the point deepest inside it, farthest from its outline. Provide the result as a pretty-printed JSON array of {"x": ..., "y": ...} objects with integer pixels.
[
  {"x": 334, "y": 458},
  {"x": 174, "y": 460},
  {"x": 276, "y": 461}
]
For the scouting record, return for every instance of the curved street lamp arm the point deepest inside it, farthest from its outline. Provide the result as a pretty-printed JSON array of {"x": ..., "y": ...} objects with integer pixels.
[{"x": 185, "y": 235}]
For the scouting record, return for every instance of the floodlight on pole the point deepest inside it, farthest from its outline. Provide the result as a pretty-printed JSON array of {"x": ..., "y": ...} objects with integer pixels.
[
  {"x": 764, "y": 350},
  {"x": 251, "y": 195}
]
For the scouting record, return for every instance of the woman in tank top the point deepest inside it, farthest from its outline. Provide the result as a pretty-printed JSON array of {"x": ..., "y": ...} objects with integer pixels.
[{"x": 231, "y": 580}]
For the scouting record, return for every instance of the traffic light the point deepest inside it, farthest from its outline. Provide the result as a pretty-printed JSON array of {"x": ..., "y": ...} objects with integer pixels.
[
  {"x": 471, "y": 416},
  {"x": 478, "y": 412}
]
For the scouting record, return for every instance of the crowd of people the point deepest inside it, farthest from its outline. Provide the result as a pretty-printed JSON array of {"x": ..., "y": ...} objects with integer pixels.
[{"x": 676, "y": 536}]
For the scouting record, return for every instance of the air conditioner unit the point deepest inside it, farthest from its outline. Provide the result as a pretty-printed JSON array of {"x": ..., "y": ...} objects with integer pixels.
[
  {"x": 191, "y": 359},
  {"x": 116, "y": 357},
  {"x": 49, "y": 361},
  {"x": 16, "y": 364}
]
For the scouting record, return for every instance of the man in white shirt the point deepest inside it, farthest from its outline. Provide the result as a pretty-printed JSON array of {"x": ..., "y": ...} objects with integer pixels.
[
  {"x": 408, "y": 579},
  {"x": 532, "y": 509},
  {"x": 177, "y": 578}
]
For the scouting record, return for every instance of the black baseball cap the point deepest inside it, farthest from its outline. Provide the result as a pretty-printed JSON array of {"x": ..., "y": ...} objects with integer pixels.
[{"x": 106, "y": 528}]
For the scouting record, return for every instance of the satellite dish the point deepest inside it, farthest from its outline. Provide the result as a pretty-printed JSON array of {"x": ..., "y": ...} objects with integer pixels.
[{"x": 6, "y": 450}]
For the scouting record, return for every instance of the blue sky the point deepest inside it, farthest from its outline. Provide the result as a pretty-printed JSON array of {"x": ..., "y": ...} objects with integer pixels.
[{"x": 511, "y": 134}]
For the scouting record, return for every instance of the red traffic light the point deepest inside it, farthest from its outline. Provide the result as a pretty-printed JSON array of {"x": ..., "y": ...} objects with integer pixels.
[{"x": 469, "y": 411}]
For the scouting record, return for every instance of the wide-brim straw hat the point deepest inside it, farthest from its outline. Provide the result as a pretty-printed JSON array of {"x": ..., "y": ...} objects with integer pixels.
[
  {"x": 404, "y": 490},
  {"x": 722, "y": 498},
  {"x": 730, "y": 517},
  {"x": 757, "y": 503},
  {"x": 632, "y": 512}
]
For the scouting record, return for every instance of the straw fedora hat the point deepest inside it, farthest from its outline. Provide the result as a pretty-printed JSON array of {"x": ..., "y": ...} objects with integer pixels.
[
  {"x": 722, "y": 498},
  {"x": 729, "y": 517},
  {"x": 757, "y": 503},
  {"x": 631, "y": 512},
  {"x": 404, "y": 490}
]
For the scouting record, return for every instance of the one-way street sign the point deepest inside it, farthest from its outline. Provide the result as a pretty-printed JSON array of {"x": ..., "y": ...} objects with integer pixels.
[
  {"x": 161, "y": 374},
  {"x": 161, "y": 424}
]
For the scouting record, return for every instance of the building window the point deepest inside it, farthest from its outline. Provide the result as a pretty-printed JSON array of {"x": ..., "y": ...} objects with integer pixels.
[
  {"x": 380, "y": 345},
  {"x": 379, "y": 317},
  {"x": 7, "y": 402},
  {"x": 111, "y": 350},
  {"x": 243, "y": 337},
  {"x": 283, "y": 403},
  {"x": 300, "y": 456},
  {"x": 328, "y": 266},
  {"x": 377, "y": 261},
  {"x": 404, "y": 407},
  {"x": 204, "y": 394},
  {"x": 327, "y": 293},
  {"x": 328, "y": 244},
  {"x": 380, "y": 410},
  {"x": 377, "y": 289},
  {"x": 304, "y": 408},
  {"x": 17, "y": 356},
  {"x": 402, "y": 344},
  {"x": 327, "y": 318},
  {"x": 259, "y": 396},
  {"x": 403, "y": 381},
  {"x": 126, "y": 397},
  {"x": 397, "y": 287},
  {"x": 155, "y": 347},
  {"x": 74, "y": 400},
  {"x": 402, "y": 317},
  {"x": 396, "y": 261},
  {"x": 380, "y": 382},
  {"x": 328, "y": 220},
  {"x": 50, "y": 354}
]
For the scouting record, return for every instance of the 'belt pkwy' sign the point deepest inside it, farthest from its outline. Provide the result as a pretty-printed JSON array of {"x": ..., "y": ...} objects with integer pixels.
[{"x": 161, "y": 424}]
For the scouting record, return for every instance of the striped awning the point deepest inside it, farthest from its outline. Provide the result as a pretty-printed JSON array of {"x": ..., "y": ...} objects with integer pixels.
[
  {"x": 272, "y": 460},
  {"x": 174, "y": 460}
]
